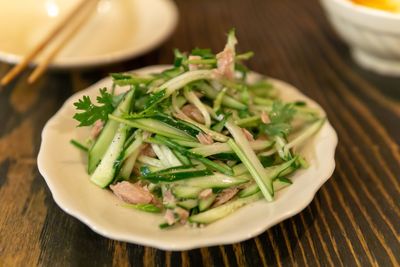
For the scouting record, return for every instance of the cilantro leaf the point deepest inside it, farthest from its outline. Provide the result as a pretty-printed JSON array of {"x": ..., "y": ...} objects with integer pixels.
[
  {"x": 91, "y": 112},
  {"x": 281, "y": 112},
  {"x": 281, "y": 115}
]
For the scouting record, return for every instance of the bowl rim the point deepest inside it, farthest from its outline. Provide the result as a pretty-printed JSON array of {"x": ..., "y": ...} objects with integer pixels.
[{"x": 350, "y": 5}]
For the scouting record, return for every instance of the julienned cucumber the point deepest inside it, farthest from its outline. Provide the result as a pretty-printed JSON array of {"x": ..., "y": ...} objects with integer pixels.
[
  {"x": 105, "y": 171},
  {"x": 278, "y": 184},
  {"x": 272, "y": 174},
  {"x": 154, "y": 126},
  {"x": 107, "y": 134},
  {"x": 224, "y": 210},
  {"x": 217, "y": 180},
  {"x": 186, "y": 191},
  {"x": 205, "y": 203}
]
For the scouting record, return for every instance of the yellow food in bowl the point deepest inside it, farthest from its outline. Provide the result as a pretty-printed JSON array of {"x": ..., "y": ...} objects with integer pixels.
[{"x": 387, "y": 5}]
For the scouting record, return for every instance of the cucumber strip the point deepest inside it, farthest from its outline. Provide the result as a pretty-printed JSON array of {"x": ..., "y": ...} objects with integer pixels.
[
  {"x": 134, "y": 146},
  {"x": 224, "y": 210},
  {"x": 150, "y": 161},
  {"x": 218, "y": 127},
  {"x": 214, "y": 135},
  {"x": 205, "y": 203},
  {"x": 172, "y": 159},
  {"x": 256, "y": 170},
  {"x": 249, "y": 121},
  {"x": 105, "y": 171},
  {"x": 186, "y": 191},
  {"x": 227, "y": 101},
  {"x": 281, "y": 183},
  {"x": 172, "y": 170},
  {"x": 278, "y": 184},
  {"x": 280, "y": 145},
  {"x": 160, "y": 155},
  {"x": 239, "y": 169},
  {"x": 128, "y": 164},
  {"x": 155, "y": 126},
  {"x": 273, "y": 173},
  {"x": 305, "y": 134},
  {"x": 184, "y": 79},
  {"x": 281, "y": 169},
  {"x": 263, "y": 101},
  {"x": 249, "y": 158},
  {"x": 218, "y": 99},
  {"x": 187, "y": 143},
  {"x": 182, "y": 158},
  {"x": 188, "y": 204},
  {"x": 143, "y": 207},
  {"x": 217, "y": 148},
  {"x": 176, "y": 176},
  {"x": 269, "y": 152},
  {"x": 102, "y": 143},
  {"x": 193, "y": 99},
  {"x": 210, "y": 164},
  {"x": 178, "y": 124},
  {"x": 123, "y": 79},
  {"x": 217, "y": 180},
  {"x": 250, "y": 190}
]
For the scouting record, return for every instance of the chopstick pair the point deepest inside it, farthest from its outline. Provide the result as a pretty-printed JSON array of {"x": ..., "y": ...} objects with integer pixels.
[{"x": 44, "y": 63}]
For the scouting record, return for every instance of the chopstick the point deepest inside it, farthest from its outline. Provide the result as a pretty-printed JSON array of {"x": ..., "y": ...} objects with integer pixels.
[
  {"x": 44, "y": 63},
  {"x": 17, "y": 69}
]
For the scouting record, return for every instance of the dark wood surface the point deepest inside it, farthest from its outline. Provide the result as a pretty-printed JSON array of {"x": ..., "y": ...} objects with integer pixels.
[{"x": 354, "y": 219}]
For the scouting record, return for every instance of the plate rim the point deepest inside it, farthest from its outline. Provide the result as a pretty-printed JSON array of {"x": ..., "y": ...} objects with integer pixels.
[{"x": 163, "y": 245}]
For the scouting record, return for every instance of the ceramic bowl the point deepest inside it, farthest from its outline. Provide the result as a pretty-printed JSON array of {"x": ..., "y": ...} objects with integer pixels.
[
  {"x": 115, "y": 30},
  {"x": 373, "y": 35}
]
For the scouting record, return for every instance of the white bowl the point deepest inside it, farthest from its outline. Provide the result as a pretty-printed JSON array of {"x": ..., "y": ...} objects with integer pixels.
[
  {"x": 64, "y": 169},
  {"x": 116, "y": 30},
  {"x": 373, "y": 35}
]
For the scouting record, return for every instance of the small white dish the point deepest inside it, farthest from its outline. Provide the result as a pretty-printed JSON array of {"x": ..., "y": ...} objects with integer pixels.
[
  {"x": 64, "y": 169},
  {"x": 117, "y": 30},
  {"x": 373, "y": 34}
]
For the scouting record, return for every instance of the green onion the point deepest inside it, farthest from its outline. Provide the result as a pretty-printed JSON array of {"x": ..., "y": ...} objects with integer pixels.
[{"x": 79, "y": 145}]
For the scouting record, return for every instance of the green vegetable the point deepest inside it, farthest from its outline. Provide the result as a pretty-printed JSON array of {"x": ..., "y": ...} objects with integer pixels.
[
  {"x": 144, "y": 207},
  {"x": 79, "y": 145},
  {"x": 91, "y": 112},
  {"x": 97, "y": 151},
  {"x": 195, "y": 133}
]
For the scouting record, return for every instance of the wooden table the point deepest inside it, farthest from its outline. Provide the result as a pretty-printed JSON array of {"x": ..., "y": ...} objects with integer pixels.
[{"x": 354, "y": 219}]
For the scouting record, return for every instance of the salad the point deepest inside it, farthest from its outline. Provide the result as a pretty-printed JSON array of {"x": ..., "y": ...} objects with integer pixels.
[{"x": 197, "y": 141}]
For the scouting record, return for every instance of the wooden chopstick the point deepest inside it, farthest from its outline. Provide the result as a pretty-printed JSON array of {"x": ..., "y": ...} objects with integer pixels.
[
  {"x": 17, "y": 69},
  {"x": 44, "y": 63}
]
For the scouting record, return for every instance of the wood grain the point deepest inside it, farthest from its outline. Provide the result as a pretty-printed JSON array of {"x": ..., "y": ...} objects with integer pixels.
[{"x": 354, "y": 219}]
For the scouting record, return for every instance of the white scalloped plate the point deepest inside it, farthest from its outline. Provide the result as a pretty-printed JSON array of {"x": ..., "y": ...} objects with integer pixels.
[{"x": 64, "y": 169}]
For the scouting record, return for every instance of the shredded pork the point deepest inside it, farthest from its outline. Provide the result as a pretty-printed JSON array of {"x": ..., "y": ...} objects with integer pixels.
[
  {"x": 96, "y": 129},
  {"x": 193, "y": 112},
  {"x": 132, "y": 193},
  {"x": 248, "y": 135},
  {"x": 225, "y": 196},
  {"x": 204, "y": 139}
]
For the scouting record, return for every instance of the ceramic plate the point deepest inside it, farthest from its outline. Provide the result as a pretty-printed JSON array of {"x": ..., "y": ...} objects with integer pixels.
[
  {"x": 64, "y": 169},
  {"x": 117, "y": 30}
]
